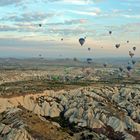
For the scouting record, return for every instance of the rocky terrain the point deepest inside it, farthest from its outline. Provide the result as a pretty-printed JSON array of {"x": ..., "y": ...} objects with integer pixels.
[
  {"x": 73, "y": 102},
  {"x": 83, "y": 113}
]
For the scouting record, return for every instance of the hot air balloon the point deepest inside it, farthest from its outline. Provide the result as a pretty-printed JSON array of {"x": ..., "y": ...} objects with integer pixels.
[
  {"x": 105, "y": 65},
  {"x": 133, "y": 62},
  {"x": 40, "y": 55},
  {"x": 127, "y": 41},
  {"x": 61, "y": 39},
  {"x": 40, "y": 25},
  {"x": 75, "y": 59},
  {"x": 129, "y": 68},
  {"x": 110, "y": 32},
  {"x": 134, "y": 48},
  {"x": 89, "y": 49},
  {"x": 89, "y": 60},
  {"x": 131, "y": 54},
  {"x": 81, "y": 41},
  {"x": 117, "y": 46}
]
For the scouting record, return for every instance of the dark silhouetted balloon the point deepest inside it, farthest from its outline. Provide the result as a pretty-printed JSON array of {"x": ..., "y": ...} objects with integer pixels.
[
  {"x": 134, "y": 48},
  {"x": 131, "y": 54},
  {"x": 117, "y": 46},
  {"x": 40, "y": 55},
  {"x": 89, "y": 49},
  {"x": 110, "y": 32},
  {"x": 40, "y": 25},
  {"x": 75, "y": 59},
  {"x": 105, "y": 65},
  {"x": 81, "y": 41},
  {"x": 89, "y": 60},
  {"x": 133, "y": 62},
  {"x": 129, "y": 68}
]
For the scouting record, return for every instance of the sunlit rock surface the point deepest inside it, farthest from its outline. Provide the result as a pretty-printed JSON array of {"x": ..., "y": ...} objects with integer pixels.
[{"x": 99, "y": 109}]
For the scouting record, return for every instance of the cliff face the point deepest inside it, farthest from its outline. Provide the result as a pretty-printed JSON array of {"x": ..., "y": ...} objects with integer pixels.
[{"x": 104, "y": 112}]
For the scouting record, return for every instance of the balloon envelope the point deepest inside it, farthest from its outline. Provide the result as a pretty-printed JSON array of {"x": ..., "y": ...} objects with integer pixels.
[
  {"x": 110, "y": 32},
  {"x": 134, "y": 48},
  {"x": 131, "y": 54},
  {"x": 89, "y": 49},
  {"x": 129, "y": 68},
  {"x": 117, "y": 45},
  {"x": 81, "y": 41},
  {"x": 89, "y": 60},
  {"x": 133, "y": 62},
  {"x": 105, "y": 65}
]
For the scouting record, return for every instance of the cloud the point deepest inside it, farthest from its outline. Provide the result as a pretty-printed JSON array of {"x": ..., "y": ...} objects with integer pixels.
[
  {"x": 21, "y": 27},
  {"x": 28, "y": 17},
  {"x": 126, "y": 30},
  {"x": 68, "y": 32},
  {"x": 22, "y": 42},
  {"x": 132, "y": 16},
  {"x": 90, "y": 12},
  {"x": 133, "y": 1},
  {"x": 4, "y": 28},
  {"x": 10, "y": 2},
  {"x": 131, "y": 27},
  {"x": 75, "y": 2},
  {"x": 33, "y": 27},
  {"x": 52, "y": 29},
  {"x": 117, "y": 11},
  {"x": 130, "y": 3},
  {"x": 83, "y": 13},
  {"x": 119, "y": 14},
  {"x": 68, "y": 22},
  {"x": 24, "y": 3}
]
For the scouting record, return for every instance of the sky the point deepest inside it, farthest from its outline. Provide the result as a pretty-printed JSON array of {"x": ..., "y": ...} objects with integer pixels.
[{"x": 21, "y": 36}]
